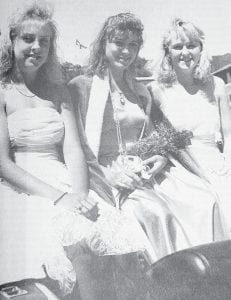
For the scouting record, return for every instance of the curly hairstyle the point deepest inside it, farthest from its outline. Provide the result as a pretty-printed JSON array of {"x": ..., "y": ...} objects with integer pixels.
[
  {"x": 50, "y": 71},
  {"x": 166, "y": 73},
  {"x": 97, "y": 63}
]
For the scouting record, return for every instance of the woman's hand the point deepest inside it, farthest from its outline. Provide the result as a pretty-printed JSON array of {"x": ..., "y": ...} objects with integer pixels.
[
  {"x": 158, "y": 162},
  {"x": 121, "y": 178},
  {"x": 83, "y": 205}
]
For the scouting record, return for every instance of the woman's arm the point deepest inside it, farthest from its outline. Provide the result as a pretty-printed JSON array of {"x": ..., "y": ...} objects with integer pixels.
[
  {"x": 14, "y": 174},
  {"x": 30, "y": 184},
  {"x": 72, "y": 149},
  {"x": 225, "y": 113},
  {"x": 76, "y": 164}
]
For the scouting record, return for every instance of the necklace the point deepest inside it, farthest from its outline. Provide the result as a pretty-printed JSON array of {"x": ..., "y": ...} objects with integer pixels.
[
  {"x": 121, "y": 144},
  {"x": 122, "y": 99},
  {"x": 117, "y": 89},
  {"x": 24, "y": 94}
]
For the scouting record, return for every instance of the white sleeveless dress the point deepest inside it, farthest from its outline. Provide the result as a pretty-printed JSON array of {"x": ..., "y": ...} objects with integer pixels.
[
  {"x": 174, "y": 210},
  {"x": 201, "y": 117},
  {"x": 32, "y": 230}
]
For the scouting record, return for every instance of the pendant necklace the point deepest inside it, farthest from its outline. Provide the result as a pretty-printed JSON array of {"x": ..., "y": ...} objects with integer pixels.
[
  {"x": 122, "y": 146},
  {"x": 117, "y": 89},
  {"x": 122, "y": 100},
  {"x": 129, "y": 162}
]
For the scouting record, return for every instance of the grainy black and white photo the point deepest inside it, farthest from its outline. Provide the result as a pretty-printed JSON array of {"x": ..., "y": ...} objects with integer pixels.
[{"x": 115, "y": 150}]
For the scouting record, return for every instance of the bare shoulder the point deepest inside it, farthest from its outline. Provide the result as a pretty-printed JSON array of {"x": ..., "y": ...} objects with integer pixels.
[
  {"x": 62, "y": 94},
  {"x": 2, "y": 97},
  {"x": 219, "y": 85},
  {"x": 218, "y": 80},
  {"x": 220, "y": 93}
]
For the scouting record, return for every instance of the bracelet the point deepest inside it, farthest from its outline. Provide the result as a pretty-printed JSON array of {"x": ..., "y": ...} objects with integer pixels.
[{"x": 60, "y": 197}]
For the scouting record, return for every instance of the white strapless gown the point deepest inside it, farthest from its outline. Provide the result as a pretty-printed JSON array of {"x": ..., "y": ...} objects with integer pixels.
[
  {"x": 201, "y": 117},
  {"x": 32, "y": 230}
]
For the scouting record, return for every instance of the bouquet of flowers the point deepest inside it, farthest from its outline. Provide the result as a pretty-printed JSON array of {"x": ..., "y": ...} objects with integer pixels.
[{"x": 164, "y": 140}]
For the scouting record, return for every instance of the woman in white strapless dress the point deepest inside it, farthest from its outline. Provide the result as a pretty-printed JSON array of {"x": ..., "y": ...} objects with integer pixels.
[
  {"x": 44, "y": 186},
  {"x": 192, "y": 99}
]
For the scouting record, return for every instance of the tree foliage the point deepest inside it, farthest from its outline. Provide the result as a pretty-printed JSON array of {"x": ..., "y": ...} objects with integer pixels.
[{"x": 70, "y": 70}]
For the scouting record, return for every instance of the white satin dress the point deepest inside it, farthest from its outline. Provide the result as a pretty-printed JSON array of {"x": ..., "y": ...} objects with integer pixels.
[
  {"x": 32, "y": 230},
  {"x": 174, "y": 210},
  {"x": 197, "y": 114}
]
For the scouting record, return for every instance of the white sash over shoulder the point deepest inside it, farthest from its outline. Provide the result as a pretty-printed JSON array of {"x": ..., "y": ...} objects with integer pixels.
[{"x": 94, "y": 120}]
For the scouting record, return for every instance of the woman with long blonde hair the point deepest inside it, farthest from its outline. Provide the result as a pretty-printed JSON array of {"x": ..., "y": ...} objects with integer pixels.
[{"x": 193, "y": 99}]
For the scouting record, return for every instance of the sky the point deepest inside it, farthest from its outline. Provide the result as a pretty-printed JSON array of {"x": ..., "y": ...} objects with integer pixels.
[{"x": 82, "y": 20}]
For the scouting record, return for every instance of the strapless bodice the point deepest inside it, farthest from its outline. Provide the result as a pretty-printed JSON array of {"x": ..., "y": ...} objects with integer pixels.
[
  {"x": 35, "y": 129},
  {"x": 201, "y": 117},
  {"x": 35, "y": 135},
  {"x": 191, "y": 112}
]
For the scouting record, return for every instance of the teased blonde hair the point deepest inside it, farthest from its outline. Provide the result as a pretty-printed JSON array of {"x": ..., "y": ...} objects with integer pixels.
[
  {"x": 51, "y": 70},
  {"x": 166, "y": 73}
]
